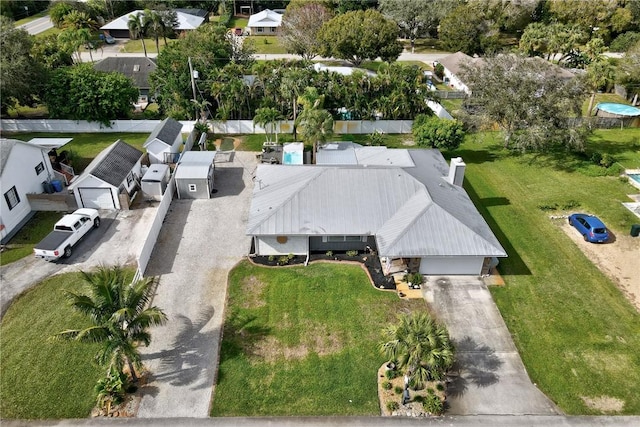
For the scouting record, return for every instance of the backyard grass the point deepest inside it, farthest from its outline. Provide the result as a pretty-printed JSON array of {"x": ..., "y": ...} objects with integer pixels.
[
  {"x": 135, "y": 46},
  {"x": 302, "y": 341},
  {"x": 21, "y": 245},
  {"x": 577, "y": 334},
  {"x": 41, "y": 378},
  {"x": 86, "y": 146},
  {"x": 266, "y": 44}
]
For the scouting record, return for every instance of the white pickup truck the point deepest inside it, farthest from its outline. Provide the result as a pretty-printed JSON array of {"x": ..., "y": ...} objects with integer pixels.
[{"x": 66, "y": 233}]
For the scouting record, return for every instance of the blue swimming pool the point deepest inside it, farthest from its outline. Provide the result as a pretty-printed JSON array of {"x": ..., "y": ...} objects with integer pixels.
[
  {"x": 292, "y": 158},
  {"x": 619, "y": 109},
  {"x": 635, "y": 179}
]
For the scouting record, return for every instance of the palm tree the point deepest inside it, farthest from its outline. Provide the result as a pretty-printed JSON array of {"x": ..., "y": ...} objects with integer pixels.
[
  {"x": 155, "y": 24},
  {"x": 316, "y": 122},
  {"x": 119, "y": 317},
  {"x": 268, "y": 119},
  {"x": 420, "y": 346},
  {"x": 137, "y": 27},
  {"x": 600, "y": 74}
]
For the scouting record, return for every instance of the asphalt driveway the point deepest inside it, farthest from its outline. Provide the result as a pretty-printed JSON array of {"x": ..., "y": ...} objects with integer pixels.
[
  {"x": 492, "y": 379},
  {"x": 201, "y": 240}
]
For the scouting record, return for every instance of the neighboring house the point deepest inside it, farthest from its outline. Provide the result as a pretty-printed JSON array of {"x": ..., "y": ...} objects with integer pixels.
[
  {"x": 265, "y": 23},
  {"x": 345, "y": 71},
  {"x": 454, "y": 64},
  {"x": 137, "y": 69},
  {"x": 165, "y": 142},
  {"x": 114, "y": 172},
  {"x": 24, "y": 168},
  {"x": 416, "y": 211},
  {"x": 188, "y": 19},
  {"x": 194, "y": 175}
]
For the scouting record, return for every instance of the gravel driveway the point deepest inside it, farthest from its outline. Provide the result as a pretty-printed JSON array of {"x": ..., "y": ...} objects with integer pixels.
[{"x": 201, "y": 240}]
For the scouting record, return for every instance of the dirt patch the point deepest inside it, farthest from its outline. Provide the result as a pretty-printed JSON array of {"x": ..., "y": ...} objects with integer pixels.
[
  {"x": 618, "y": 259},
  {"x": 318, "y": 339},
  {"x": 252, "y": 289},
  {"x": 604, "y": 404},
  {"x": 393, "y": 393}
]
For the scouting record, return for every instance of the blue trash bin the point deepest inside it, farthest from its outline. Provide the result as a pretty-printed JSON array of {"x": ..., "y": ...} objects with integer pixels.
[{"x": 57, "y": 185}]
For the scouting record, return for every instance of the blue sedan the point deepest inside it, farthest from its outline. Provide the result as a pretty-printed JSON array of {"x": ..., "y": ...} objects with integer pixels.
[{"x": 592, "y": 229}]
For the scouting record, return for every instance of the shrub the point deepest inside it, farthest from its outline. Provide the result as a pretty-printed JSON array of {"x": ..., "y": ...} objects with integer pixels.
[
  {"x": 624, "y": 41},
  {"x": 571, "y": 204},
  {"x": 596, "y": 158},
  {"x": 290, "y": 257},
  {"x": 415, "y": 278},
  {"x": 432, "y": 404},
  {"x": 431, "y": 391},
  {"x": 440, "y": 387},
  {"x": 393, "y": 406},
  {"x": 435, "y": 132},
  {"x": 283, "y": 260},
  {"x": 271, "y": 258},
  {"x": 607, "y": 160},
  {"x": 398, "y": 390},
  {"x": 111, "y": 389},
  {"x": 376, "y": 138},
  {"x": 391, "y": 374},
  {"x": 386, "y": 385},
  {"x": 352, "y": 253},
  {"x": 329, "y": 253},
  {"x": 438, "y": 70}
]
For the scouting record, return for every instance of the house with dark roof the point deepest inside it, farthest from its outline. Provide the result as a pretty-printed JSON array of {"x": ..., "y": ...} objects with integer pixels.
[
  {"x": 115, "y": 172},
  {"x": 137, "y": 69},
  {"x": 404, "y": 205},
  {"x": 164, "y": 143}
]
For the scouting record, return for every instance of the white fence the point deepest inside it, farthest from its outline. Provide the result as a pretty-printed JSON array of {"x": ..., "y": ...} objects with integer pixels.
[
  {"x": 219, "y": 127},
  {"x": 439, "y": 110},
  {"x": 154, "y": 231}
]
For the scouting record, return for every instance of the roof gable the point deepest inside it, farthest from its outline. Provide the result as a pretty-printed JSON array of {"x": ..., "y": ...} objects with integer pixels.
[
  {"x": 266, "y": 18},
  {"x": 166, "y": 131},
  {"x": 137, "y": 69},
  {"x": 186, "y": 21},
  {"x": 114, "y": 163},
  {"x": 7, "y": 146}
]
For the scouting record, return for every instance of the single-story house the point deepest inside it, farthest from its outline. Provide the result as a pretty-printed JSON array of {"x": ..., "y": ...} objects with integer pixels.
[
  {"x": 115, "y": 171},
  {"x": 418, "y": 213},
  {"x": 137, "y": 69},
  {"x": 265, "y": 23},
  {"x": 188, "y": 19},
  {"x": 194, "y": 174},
  {"x": 453, "y": 65},
  {"x": 165, "y": 142},
  {"x": 345, "y": 71},
  {"x": 24, "y": 168}
]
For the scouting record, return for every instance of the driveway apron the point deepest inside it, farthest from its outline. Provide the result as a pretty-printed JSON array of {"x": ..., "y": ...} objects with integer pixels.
[
  {"x": 492, "y": 378},
  {"x": 201, "y": 240}
]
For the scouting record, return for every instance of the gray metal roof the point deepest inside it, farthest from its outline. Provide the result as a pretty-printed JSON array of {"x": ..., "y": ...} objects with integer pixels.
[
  {"x": 349, "y": 153},
  {"x": 114, "y": 163},
  {"x": 197, "y": 157},
  {"x": 166, "y": 131},
  {"x": 193, "y": 170},
  {"x": 412, "y": 211},
  {"x": 6, "y": 145},
  {"x": 157, "y": 172}
]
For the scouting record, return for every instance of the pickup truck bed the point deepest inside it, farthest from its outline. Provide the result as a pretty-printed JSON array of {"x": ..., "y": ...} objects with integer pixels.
[{"x": 53, "y": 240}]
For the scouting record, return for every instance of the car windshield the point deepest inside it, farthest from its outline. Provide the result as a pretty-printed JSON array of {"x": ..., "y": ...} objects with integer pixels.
[{"x": 599, "y": 230}]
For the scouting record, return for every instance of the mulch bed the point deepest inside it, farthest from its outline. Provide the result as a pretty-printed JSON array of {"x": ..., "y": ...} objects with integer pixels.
[{"x": 370, "y": 262}]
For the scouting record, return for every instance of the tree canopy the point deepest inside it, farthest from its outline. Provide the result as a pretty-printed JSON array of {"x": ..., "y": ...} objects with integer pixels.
[
  {"x": 434, "y": 132},
  {"x": 360, "y": 35},
  {"x": 300, "y": 27},
  {"x": 82, "y": 93},
  {"x": 469, "y": 29},
  {"x": 529, "y": 101},
  {"x": 417, "y": 17}
]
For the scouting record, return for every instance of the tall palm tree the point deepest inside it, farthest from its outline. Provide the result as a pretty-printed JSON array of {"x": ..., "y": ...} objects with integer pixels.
[
  {"x": 155, "y": 25},
  {"x": 119, "y": 317},
  {"x": 316, "y": 123},
  {"x": 600, "y": 74},
  {"x": 268, "y": 119},
  {"x": 137, "y": 27},
  {"x": 419, "y": 346}
]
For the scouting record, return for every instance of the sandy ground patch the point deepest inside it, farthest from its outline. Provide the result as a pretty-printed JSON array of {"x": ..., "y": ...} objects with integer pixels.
[
  {"x": 619, "y": 259},
  {"x": 604, "y": 403}
]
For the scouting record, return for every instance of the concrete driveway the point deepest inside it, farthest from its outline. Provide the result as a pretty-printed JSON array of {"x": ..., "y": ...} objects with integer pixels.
[
  {"x": 118, "y": 241},
  {"x": 492, "y": 379},
  {"x": 201, "y": 240}
]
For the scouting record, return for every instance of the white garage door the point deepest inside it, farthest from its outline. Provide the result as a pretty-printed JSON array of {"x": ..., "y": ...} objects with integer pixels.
[
  {"x": 97, "y": 198},
  {"x": 451, "y": 266}
]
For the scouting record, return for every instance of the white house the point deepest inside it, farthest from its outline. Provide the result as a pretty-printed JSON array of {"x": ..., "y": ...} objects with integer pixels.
[
  {"x": 187, "y": 20},
  {"x": 24, "y": 168},
  {"x": 165, "y": 142},
  {"x": 115, "y": 170},
  {"x": 453, "y": 64},
  {"x": 265, "y": 23}
]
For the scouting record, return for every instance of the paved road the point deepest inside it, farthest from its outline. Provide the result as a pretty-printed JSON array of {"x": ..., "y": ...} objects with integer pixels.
[
  {"x": 201, "y": 240},
  {"x": 38, "y": 25},
  {"x": 492, "y": 377}
]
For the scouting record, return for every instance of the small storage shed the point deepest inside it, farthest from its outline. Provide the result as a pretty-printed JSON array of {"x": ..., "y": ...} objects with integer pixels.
[
  {"x": 155, "y": 180},
  {"x": 165, "y": 142},
  {"x": 194, "y": 175}
]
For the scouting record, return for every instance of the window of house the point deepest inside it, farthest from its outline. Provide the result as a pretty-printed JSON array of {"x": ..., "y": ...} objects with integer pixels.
[
  {"x": 39, "y": 168},
  {"x": 136, "y": 68},
  {"x": 12, "y": 197},
  {"x": 332, "y": 239},
  {"x": 129, "y": 179},
  {"x": 259, "y": 29},
  {"x": 192, "y": 187}
]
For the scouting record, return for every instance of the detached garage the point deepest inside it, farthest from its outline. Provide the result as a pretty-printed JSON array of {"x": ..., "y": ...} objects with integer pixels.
[{"x": 114, "y": 171}]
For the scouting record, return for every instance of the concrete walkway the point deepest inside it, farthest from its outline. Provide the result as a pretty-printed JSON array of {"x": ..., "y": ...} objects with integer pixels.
[
  {"x": 492, "y": 379},
  {"x": 200, "y": 242}
]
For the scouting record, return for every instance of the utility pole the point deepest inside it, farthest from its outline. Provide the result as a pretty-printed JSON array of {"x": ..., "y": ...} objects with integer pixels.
[{"x": 193, "y": 86}]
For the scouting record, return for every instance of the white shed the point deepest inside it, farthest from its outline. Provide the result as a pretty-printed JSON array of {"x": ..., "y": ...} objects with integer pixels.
[
  {"x": 165, "y": 142},
  {"x": 154, "y": 181}
]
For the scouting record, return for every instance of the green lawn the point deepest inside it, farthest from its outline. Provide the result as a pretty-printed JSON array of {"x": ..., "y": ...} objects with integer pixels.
[
  {"x": 21, "y": 245},
  {"x": 40, "y": 378},
  {"x": 302, "y": 341},
  {"x": 424, "y": 46},
  {"x": 86, "y": 146},
  {"x": 135, "y": 46},
  {"x": 577, "y": 334},
  {"x": 266, "y": 44}
]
